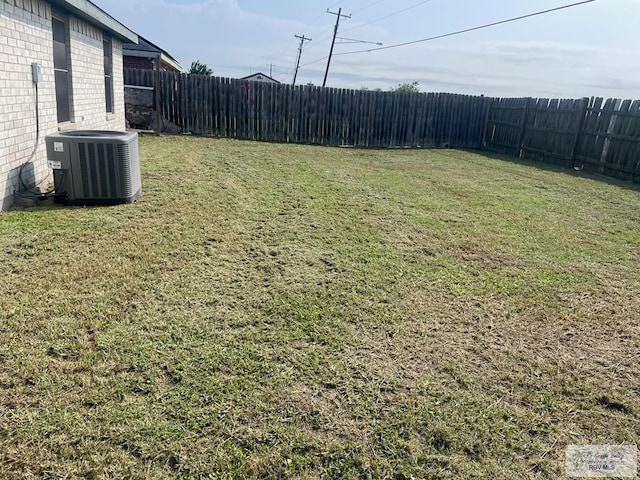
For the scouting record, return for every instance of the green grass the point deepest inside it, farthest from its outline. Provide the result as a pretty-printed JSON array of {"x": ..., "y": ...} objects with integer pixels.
[{"x": 283, "y": 311}]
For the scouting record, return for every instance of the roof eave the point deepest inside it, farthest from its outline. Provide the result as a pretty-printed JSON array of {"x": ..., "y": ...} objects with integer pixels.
[
  {"x": 170, "y": 61},
  {"x": 146, "y": 54},
  {"x": 88, "y": 11},
  {"x": 260, "y": 73}
]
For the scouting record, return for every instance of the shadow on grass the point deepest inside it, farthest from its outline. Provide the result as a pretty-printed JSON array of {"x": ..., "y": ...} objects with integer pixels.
[
  {"x": 628, "y": 185},
  {"x": 541, "y": 165},
  {"x": 39, "y": 206}
]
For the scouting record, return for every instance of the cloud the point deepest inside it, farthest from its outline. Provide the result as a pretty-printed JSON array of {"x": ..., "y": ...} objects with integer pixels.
[
  {"x": 233, "y": 41},
  {"x": 213, "y": 31},
  {"x": 500, "y": 68}
]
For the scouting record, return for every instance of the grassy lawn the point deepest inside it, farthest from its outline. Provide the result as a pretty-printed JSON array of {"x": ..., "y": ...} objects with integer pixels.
[{"x": 283, "y": 311}]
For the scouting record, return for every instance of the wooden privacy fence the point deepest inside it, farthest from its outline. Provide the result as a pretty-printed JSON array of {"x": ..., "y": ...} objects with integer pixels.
[
  {"x": 602, "y": 137},
  {"x": 326, "y": 116},
  {"x": 609, "y": 141},
  {"x": 571, "y": 133},
  {"x": 539, "y": 129}
]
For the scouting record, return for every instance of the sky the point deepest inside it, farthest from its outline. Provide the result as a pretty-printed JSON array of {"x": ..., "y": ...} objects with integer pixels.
[{"x": 587, "y": 50}]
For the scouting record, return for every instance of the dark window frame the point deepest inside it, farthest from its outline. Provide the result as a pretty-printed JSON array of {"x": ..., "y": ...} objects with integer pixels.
[
  {"x": 107, "y": 47},
  {"x": 62, "y": 66}
]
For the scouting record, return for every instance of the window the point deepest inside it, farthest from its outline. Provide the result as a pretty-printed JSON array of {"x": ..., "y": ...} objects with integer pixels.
[
  {"x": 61, "y": 69},
  {"x": 108, "y": 74}
]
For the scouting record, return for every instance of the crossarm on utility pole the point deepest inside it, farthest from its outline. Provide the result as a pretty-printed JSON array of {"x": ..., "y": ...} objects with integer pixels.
[{"x": 302, "y": 40}]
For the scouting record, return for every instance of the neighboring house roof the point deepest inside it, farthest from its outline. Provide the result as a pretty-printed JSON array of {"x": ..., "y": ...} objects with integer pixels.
[
  {"x": 91, "y": 13},
  {"x": 144, "y": 48},
  {"x": 261, "y": 77}
]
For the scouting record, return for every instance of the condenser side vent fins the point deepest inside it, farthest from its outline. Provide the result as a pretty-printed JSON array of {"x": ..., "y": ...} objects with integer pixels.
[{"x": 95, "y": 167}]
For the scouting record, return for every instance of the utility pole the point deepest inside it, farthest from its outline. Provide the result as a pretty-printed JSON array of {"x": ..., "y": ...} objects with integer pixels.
[
  {"x": 271, "y": 69},
  {"x": 302, "y": 40},
  {"x": 333, "y": 42}
]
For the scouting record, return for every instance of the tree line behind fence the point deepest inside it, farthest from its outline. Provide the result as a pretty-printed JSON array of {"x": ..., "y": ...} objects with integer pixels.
[{"x": 598, "y": 136}]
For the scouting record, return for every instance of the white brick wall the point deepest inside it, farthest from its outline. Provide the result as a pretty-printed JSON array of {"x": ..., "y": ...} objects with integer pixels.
[
  {"x": 118, "y": 85},
  {"x": 26, "y": 37}
]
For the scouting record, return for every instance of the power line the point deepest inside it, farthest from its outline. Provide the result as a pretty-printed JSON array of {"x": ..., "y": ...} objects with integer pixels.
[
  {"x": 311, "y": 24},
  {"x": 284, "y": 55},
  {"x": 368, "y": 6},
  {"x": 387, "y": 16},
  {"x": 322, "y": 14},
  {"x": 459, "y": 32},
  {"x": 315, "y": 61},
  {"x": 322, "y": 35}
]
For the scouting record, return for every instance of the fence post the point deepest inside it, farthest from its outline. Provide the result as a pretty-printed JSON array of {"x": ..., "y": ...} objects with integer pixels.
[
  {"x": 487, "y": 106},
  {"x": 525, "y": 117},
  {"x": 157, "y": 92},
  {"x": 584, "y": 105}
]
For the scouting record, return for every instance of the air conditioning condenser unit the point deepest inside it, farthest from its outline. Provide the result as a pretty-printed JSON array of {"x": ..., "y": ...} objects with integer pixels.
[{"x": 94, "y": 167}]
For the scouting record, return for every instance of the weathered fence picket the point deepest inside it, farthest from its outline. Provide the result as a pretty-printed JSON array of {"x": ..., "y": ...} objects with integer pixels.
[
  {"x": 585, "y": 133},
  {"x": 314, "y": 115}
]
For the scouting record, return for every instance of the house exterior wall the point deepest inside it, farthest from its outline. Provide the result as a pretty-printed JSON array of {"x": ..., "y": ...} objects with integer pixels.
[
  {"x": 25, "y": 37},
  {"x": 139, "y": 63},
  {"x": 146, "y": 63}
]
